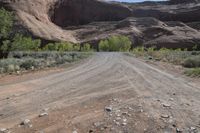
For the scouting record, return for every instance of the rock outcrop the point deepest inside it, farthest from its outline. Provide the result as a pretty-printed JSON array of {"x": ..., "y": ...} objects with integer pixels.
[
  {"x": 78, "y": 21},
  {"x": 182, "y": 1},
  {"x": 167, "y": 12},
  {"x": 80, "y": 12}
]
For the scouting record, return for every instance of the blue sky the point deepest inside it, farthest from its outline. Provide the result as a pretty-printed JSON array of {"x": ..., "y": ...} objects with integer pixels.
[{"x": 135, "y": 0}]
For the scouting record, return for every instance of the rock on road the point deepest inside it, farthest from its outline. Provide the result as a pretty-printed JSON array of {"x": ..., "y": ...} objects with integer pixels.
[{"x": 141, "y": 98}]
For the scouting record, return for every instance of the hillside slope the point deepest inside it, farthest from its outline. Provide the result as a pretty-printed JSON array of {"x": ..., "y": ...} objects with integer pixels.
[{"x": 80, "y": 21}]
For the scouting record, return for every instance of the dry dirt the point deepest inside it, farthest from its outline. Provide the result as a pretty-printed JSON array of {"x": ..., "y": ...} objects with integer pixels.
[{"x": 139, "y": 97}]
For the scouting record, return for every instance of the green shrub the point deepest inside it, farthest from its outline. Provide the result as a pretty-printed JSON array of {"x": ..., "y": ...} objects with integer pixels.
[
  {"x": 61, "y": 46},
  {"x": 192, "y": 62},
  {"x": 104, "y": 45},
  {"x": 193, "y": 72},
  {"x": 29, "y": 64},
  {"x": 139, "y": 51},
  {"x": 50, "y": 47},
  {"x": 86, "y": 47},
  {"x": 20, "y": 60},
  {"x": 9, "y": 65},
  {"x": 21, "y": 43},
  {"x": 6, "y": 23},
  {"x": 115, "y": 43}
]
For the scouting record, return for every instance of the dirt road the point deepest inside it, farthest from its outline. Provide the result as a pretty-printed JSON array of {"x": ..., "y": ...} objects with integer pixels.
[{"x": 108, "y": 93}]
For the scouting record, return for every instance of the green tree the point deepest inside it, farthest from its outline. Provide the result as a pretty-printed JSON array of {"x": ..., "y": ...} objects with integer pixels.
[
  {"x": 21, "y": 43},
  {"x": 103, "y": 45},
  {"x": 86, "y": 47},
  {"x": 6, "y": 23},
  {"x": 115, "y": 43},
  {"x": 60, "y": 46}
]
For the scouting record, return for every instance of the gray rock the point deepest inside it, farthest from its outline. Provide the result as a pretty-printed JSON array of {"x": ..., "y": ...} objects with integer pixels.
[
  {"x": 98, "y": 124},
  {"x": 171, "y": 99},
  {"x": 118, "y": 118},
  {"x": 108, "y": 109},
  {"x": 124, "y": 113},
  {"x": 26, "y": 122},
  {"x": 117, "y": 123},
  {"x": 124, "y": 124},
  {"x": 192, "y": 128},
  {"x": 166, "y": 105},
  {"x": 164, "y": 116},
  {"x": 3, "y": 130},
  {"x": 178, "y": 130},
  {"x": 43, "y": 114}
]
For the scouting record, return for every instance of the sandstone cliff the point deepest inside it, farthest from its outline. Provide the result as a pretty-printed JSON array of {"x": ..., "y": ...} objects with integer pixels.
[{"x": 163, "y": 24}]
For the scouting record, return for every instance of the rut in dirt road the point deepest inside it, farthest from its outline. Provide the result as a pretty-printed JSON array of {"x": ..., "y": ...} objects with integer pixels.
[{"x": 155, "y": 100}]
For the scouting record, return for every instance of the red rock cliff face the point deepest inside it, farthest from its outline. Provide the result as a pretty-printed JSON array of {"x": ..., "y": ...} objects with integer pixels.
[
  {"x": 44, "y": 18},
  {"x": 80, "y": 12}
]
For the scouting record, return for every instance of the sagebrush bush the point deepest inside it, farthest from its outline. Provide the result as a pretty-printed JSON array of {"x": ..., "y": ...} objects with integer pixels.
[
  {"x": 9, "y": 65},
  {"x": 193, "y": 72},
  {"x": 62, "y": 47},
  {"x": 115, "y": 43},
  {"x": 19, "y": 61},
  {"x": 192, "y": 62}
]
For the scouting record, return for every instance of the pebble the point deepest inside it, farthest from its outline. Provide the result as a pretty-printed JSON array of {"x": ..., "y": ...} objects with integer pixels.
[
  {"x": 117, "y": 123},
  {"x": 165, "y": 116},
  {"x": 26, "y": 122},
  {"x": 178, "y": 130},
  {"x": 130, "y": 108},
  {"x": 18, "y": 72},
  {"x": 91, "y": 131},
  {"x": 166, "y": 105},
  {"x": 97, "y": 124},
  {"x": 125, "y": 120},
  {"x": 129, "y": 115},
  {"x": 3, "y": 130},
  {"x": 108, "y": 109},
  {"x": 124, "y": 124},
  {"x": 114, "y": 99},
  {"x": 43, "y": 114},
  {"x": 192, "y": 128},
  {"x": 118, "y": 118},
  {"x": 124, "y": 113},
  {"x": 171, "y": 99}
]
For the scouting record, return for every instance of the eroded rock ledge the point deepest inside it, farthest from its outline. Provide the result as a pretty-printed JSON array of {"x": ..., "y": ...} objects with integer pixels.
[{"x": 80, "y": 12}]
